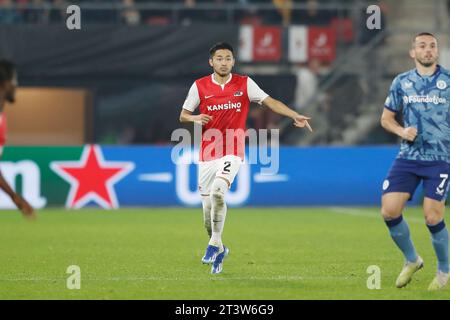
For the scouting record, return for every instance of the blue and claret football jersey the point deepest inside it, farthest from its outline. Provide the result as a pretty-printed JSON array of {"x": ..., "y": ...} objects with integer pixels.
[{"x": 424, "y": 102}]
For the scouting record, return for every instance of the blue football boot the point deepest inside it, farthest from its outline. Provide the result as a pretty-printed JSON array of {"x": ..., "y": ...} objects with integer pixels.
[
  {"x": 218, "y": 262},
  {"x": 210, "y": 254}
]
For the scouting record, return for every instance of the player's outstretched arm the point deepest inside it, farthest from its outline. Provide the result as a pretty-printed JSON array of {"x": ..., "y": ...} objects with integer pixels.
[
  {"x": 20, "y": 202},
  {"x": 389, "y": 123},
  {"x": 187, "y": 116},
  {"x": 282, "y": 109}
]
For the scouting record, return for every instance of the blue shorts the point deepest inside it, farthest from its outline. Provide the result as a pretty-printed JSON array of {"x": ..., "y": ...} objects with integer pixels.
[{"x": 405, "y": 176}]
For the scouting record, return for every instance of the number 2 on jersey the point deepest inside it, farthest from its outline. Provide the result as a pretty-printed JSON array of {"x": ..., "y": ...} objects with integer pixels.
[{"x": 227, "y": 167}]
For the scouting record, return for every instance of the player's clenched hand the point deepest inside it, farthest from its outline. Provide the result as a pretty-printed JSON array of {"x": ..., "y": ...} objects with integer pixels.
[
  {"x": 409, "y": 134},
  {"x": 202, "y": 119},
  {"x": 24, "y": 207},
  {"x": 302, "y": 121}
]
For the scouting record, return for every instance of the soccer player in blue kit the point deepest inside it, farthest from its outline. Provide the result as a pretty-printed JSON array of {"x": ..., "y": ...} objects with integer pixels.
[{"x": 422, "y": 97}]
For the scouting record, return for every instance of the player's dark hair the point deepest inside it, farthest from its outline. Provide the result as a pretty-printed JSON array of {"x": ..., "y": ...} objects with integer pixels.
[
  {"x": 7, "y": 70},
  {"x": 219, "y": 46},
  {"x": 423, "y": 34}
]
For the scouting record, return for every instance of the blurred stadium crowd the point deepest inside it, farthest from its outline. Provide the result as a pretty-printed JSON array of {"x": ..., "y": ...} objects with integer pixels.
[
  {"x": 337, "y": 90},
  {"x": 185, "y": 12}
]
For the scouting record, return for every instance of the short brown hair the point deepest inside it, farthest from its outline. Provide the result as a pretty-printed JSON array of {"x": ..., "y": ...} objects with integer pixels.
[{"x": 422, "y": 34}]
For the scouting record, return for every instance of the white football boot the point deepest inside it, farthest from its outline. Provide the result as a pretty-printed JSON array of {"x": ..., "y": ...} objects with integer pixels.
[
  {"x": 439, "y": 282},
  {"x": 407, "y": 272}
]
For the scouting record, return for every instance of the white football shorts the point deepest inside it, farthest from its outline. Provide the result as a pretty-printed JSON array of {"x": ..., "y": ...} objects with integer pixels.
[{"x": 226, "y": 167}]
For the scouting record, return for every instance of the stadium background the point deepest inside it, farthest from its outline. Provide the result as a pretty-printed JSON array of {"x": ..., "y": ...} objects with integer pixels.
[
  {"x": 121, "y": 79},
  {"x": 111, "y": 93}
]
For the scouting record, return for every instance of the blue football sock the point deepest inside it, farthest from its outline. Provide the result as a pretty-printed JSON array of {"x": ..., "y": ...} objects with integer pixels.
[
  {"x": 399, "y": 230},
  {"x": 439, "y": 236}
]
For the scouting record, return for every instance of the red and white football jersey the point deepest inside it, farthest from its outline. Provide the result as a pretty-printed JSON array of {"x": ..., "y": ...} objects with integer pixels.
[{"x": 228, "y": 104}]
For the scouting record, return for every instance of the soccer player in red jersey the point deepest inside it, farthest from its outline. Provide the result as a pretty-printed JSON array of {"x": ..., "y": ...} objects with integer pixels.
[
  {"x": 223, "y": 100},
  {"x": 8, "y": 84}
]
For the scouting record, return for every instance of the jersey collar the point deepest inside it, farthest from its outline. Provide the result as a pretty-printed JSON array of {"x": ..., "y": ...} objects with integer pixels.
[
  {"x": 436, "y": 72},
  {"x": 214, "y": 80}
]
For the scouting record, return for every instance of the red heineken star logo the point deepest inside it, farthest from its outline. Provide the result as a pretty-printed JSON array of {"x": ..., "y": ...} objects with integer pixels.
[{"x": 92, "y": 178}]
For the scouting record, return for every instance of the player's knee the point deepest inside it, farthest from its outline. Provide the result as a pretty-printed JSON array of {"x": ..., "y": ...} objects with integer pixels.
[
  {"x": 390, "y": 212},
  {"x": 434, "y": 211},
  {"x": 218, "y": 190},
  {"x": 218, "y": 199},
  {"x": 432, "y": 220},
  {"x": 433, "y": 216}
]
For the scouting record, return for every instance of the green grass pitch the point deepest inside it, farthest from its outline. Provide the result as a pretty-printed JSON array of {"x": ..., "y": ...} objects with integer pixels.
[{"x": 307, "y": 253}]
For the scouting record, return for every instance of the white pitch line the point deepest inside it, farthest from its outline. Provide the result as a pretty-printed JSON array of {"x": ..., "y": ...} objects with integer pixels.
[
  {"x": 289, "y": 278},
  {"x": 156, "y": 279},
  {"x": 367, "y": 214}
]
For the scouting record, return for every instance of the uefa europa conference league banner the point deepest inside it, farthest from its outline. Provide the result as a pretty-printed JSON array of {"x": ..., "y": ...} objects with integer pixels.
[{"x": 113, "y": 177}]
